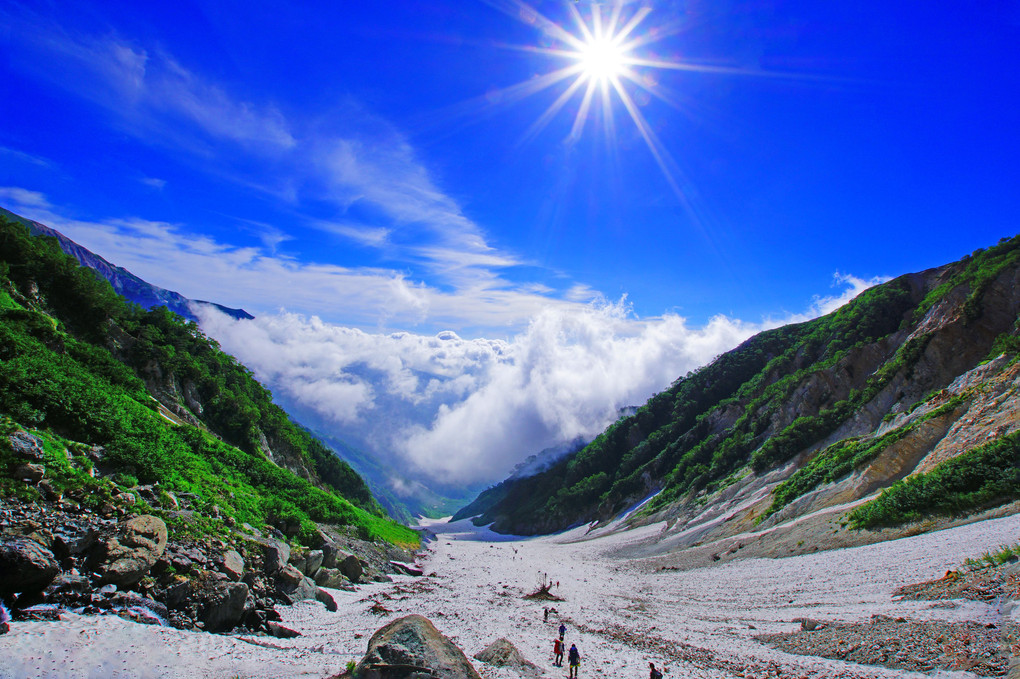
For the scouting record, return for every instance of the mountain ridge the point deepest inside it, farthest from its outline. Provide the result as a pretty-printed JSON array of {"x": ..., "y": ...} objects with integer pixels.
[{"x": 815, "y": 396}]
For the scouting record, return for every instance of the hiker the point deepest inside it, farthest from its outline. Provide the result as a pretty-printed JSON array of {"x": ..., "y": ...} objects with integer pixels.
[
  {"x": 563, "y": 630},
  {"x": 557, "y": 653},
  {"x": 574, "y": 658},
  {"x": 545, "y": 614},
  {"x": 653, "y": 673}
]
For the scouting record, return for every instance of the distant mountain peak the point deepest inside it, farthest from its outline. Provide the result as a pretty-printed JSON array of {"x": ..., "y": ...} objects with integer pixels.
[{"x": 127, "y": 284}]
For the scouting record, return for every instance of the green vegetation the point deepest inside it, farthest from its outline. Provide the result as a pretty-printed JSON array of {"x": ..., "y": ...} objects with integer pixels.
[
  {"x": 73, "y": 356},
  {"x": 732, "y": 415},
  {"x": 992, "y": 559},
  {"x": 843, "y": 457},
  {"x": 982, "y": 477}
]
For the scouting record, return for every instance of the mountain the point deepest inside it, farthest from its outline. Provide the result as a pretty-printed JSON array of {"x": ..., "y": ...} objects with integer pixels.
[
  {"x": 160, "y": 399},
  {"x": 910, "y": 389},
  {"x": 125, "y": 283}
]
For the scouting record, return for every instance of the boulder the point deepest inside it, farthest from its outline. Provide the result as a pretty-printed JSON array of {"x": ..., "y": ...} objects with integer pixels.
[
  {"x": 326, "y": 599},
  {"x": 350, "y": 566},
  {"x": 412, "y": 648},
  {"x": 72, "y": 539},
  {"x": 233, "y": 564},
  {"x": 281, "y": 632},
  {"x": 313, "y": 561},
  {"x": 32, "y": 473},
  {"x": 26, "y": 446},
  {"x": 290, "y": 576},
  {"x": 406, "y": 568},
  {"x": 329, "y": 554},
  {"x": 502, "y": 653},
  {"x": 291, "y": 593},
  {"x": 277, "y": 554},
  {"x": 26, "y": 566},
  {"x": 225, "y": 606},
  {"x": 330, "y": 577},
  {"x": 130, "y": 557}
]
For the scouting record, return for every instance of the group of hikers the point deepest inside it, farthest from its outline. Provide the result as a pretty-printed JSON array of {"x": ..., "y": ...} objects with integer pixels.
[{"x": 574, "y": 656}]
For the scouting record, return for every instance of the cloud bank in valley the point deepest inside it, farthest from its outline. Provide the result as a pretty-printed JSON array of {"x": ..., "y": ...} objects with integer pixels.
[{"x": 465, "y": 411}]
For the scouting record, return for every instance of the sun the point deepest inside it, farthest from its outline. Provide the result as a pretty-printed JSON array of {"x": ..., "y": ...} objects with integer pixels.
[{"x": 601, "y": 58}]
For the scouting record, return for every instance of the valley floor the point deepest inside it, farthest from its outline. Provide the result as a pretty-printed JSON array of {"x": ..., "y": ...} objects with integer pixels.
[{"x": 620, "y": 613}]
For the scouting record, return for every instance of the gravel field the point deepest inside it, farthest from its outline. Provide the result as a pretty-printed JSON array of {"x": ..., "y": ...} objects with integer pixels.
[{"x": 620, "y": 613}]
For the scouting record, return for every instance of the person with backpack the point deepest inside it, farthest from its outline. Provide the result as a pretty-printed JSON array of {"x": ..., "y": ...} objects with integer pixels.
[
  {"x": 558, "y": 652},
  {"x": 563, "y": 630},
  {"x": 574, "y": 658},
  {"x": 654, "y": 673}
]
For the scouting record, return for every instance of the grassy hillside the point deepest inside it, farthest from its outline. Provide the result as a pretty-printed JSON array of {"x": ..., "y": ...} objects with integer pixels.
[
  {"x": 758, "y": 406},
  {"x": 73, "y": 356}
]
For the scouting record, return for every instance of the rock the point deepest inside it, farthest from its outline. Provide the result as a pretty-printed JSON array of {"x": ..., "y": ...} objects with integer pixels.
[
  {"x": 406, "y": 568},
  {"x": 313, "y": 561},
  {"x": 298, "y": 562},
  {"x": 329, "y": 555},
  {"x": 71, "y": 539},
  {"x": 126, "y": 498},
  {"x": 293, "y": 592},
  {"x": 330, "y": 577},
  {"x": 225, "y": 606},
  {"x": 504, "y": 654},
  {"x": 290, "y": 576},
  {"x": 281, "y": 632},
  {"x": 350, "y": 567},
  {"x": 26, "y": 566},
  {"x": 48, "y": 490},
  {"x": 326, "y": 599},
  {"x": 31, "y": 473},
  {"x": 808, "y": 624},
  {"x": 233, "y": 564},
  {"x": 26, "y": 446},
  {"x": 412, "y": 648},
  {"x": 277, "y": 554},
  {"x": 131, "y": 556}
]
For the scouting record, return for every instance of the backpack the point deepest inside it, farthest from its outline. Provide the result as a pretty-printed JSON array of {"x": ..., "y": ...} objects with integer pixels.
[{"x": 656, "y": 674}]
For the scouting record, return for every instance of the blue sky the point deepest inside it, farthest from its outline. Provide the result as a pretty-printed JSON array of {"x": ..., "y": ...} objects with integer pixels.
[{"x": 381, "y": 167}]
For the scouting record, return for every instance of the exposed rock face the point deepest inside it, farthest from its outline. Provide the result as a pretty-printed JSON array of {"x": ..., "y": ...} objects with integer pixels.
[
  {"x": 350, "y": 566},
  {"x": 412, "y": 648},
  {"x": 25, "y": 565}
]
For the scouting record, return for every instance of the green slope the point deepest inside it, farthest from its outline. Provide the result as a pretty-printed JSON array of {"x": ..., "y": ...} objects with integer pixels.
[
  {"x": 732, "y": 417},
  {"x": 72, "y": 358}
]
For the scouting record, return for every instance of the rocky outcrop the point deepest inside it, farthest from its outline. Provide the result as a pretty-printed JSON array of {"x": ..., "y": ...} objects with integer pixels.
[
  {"x": 502, "y": 653},
  {"x": 412, "y": 648}
]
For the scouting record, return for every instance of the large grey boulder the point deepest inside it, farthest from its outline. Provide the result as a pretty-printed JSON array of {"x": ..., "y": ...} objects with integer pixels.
[
  {"x": 277, "y": 554},
  {"x": 313, "y": 561},
  {"x": 225, "y": 606},
  {"x": 292, "y": 592},
  {"x": 25, "y": 566},
  {"x": 130, "y": 557},
  {"x": 412, "y": 648},
  {"x": 350, "y": 566}
]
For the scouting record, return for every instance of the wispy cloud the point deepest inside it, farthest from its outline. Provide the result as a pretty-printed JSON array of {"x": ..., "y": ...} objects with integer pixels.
[
  {"x": 385, "y": 196},
  {"x": 263, "y": 281},
  {"x": 153, "y": 182}
]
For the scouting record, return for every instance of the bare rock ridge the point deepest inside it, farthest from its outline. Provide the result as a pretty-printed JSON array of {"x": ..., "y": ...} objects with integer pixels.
[{"x": 804, "y": 419}]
